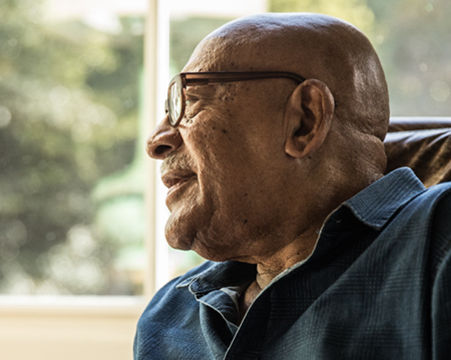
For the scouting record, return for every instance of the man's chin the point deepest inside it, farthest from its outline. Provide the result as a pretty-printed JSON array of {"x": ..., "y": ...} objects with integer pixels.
[
  {"x": 191, "y": 235},
  {"x": 178, "y": 242},
  {"x": 183, "y": 242}
]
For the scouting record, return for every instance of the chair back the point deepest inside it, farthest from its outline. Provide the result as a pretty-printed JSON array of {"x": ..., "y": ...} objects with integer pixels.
[{"x": 421, "y": 143}]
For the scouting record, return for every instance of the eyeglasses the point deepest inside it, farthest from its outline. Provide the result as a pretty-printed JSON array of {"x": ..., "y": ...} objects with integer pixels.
[{"x": 175, "y": 103}]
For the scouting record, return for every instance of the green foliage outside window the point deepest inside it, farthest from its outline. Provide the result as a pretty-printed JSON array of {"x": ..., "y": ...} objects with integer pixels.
[{"x": 68, "y": 108}]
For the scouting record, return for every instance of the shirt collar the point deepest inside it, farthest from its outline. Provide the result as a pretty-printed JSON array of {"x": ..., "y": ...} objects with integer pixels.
[
  {"x": 377, "y": 203},
  {"x": 219, "y": 275}
]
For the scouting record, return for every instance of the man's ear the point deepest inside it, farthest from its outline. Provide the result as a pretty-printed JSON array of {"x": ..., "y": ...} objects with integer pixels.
[{"x": 308, "y": 115}]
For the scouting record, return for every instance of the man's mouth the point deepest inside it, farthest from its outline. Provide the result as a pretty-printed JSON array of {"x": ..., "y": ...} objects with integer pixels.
[{"x": 175, "y": 180}]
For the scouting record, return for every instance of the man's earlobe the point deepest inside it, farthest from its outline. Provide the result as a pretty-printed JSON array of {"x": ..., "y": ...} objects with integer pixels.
[{"x": 308, "y": 115}]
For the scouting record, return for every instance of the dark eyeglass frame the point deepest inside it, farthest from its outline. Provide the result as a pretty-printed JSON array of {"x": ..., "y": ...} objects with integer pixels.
[{"x": 204, "y": 78}]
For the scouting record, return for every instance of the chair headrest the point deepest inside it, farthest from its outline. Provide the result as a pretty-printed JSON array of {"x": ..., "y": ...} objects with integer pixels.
[{"x": 423, "y": 144}]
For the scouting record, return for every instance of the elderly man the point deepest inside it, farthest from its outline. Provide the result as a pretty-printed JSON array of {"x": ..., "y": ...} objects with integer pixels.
[{"x": 273, "y": 154}]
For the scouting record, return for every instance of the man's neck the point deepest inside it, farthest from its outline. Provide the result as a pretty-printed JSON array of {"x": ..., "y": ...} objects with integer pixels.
[{"x": 267, "y": 269}]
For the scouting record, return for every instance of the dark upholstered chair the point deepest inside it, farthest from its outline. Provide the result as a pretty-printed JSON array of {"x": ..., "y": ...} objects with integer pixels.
[{"x": 423, "y": 144}]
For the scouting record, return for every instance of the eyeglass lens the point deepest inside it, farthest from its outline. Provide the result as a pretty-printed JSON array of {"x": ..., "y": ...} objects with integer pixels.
[{"x": 175, "y": 102}]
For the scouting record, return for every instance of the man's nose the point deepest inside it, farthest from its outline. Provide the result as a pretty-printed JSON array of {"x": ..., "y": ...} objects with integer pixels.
[{"x": 164, "y": 140}]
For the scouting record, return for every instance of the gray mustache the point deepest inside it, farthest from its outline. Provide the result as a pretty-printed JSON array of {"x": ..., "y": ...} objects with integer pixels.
[{"x": 176, "y": 162}]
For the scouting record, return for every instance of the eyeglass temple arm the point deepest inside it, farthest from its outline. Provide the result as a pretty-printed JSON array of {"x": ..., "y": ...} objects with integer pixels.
[{"x": 213, "y": 77}]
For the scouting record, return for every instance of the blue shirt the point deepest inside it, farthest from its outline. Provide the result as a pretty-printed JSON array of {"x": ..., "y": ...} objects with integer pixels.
[{"x": 377, "y": 286}]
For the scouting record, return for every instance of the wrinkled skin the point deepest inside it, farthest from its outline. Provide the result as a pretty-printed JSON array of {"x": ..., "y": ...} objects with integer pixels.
[{"x": 255, "y": 167}]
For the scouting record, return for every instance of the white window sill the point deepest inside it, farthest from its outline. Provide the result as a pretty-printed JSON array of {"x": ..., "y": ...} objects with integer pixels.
[
  {"x": 68, "y": 327},
  {"x": 75, "y": 305}
]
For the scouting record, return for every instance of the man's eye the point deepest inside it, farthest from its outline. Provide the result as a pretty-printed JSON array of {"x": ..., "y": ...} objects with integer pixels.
[
  {"x": 192, "y": 108},
  {"x": 190, "y": 102}
]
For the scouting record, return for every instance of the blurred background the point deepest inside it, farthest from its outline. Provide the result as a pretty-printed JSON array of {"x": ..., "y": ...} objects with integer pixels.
[{"x": 72, "y": 214}]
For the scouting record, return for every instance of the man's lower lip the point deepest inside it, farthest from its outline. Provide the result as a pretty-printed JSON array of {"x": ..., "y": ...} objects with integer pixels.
[{"x": 175, "y": 188}]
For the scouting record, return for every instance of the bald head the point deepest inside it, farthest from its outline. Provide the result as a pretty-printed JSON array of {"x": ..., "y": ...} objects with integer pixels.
[{"x": 312, "y": 45}]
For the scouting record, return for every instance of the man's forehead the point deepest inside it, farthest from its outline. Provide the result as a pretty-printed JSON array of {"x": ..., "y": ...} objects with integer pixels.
[
  {"x": 226, "y": 54},
  {"x": 268, "y": 41},
  {"x": 255, "y": 41},
  {"x": 209, "y": 55}
]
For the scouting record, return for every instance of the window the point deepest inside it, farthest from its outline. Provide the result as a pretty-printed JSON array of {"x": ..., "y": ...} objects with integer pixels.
[
  {"x": 72, "y": 209},
  {"x": 72, "y": 178}
]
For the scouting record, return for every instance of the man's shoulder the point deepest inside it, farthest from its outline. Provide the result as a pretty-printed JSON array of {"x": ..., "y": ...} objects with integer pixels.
[
  {"x": 434, "y": 200},
  {"x": 435, "y": 203},
  {"x": 438, "y": 189},
  {"x": 441, "y": 193},
  {"x": 440, "y": 225},
  {"x": 414, "y": 224},
  {"x": 426, "y": 221},
  {"x": 429, "y": 209}
]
